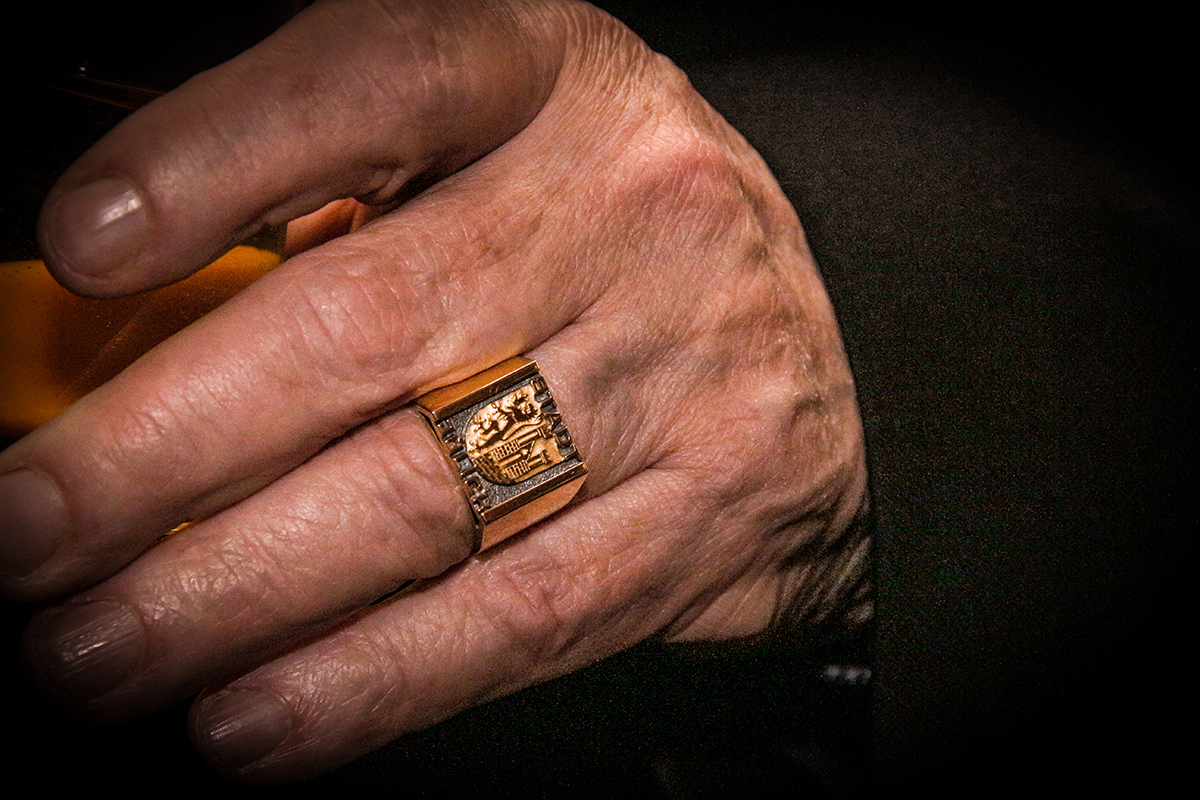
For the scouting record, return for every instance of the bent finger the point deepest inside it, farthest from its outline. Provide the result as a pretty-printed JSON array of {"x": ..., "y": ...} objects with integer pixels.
[{"x": 292, "y": 124}]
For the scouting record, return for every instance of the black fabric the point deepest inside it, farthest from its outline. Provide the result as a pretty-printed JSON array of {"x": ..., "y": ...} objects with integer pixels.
[{"x": 1004, "y": 212}]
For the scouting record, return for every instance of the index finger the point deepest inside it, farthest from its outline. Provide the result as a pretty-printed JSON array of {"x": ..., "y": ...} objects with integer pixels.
[{"x": 290, "y": 125}]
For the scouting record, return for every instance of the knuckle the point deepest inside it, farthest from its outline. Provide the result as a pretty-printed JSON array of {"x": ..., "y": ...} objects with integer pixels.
[
  {"x": 407, "y": 482},
  {"x": 676, "y": 166},
  {"x": 228, "y": 586},
  {"x": 771, "y": 440},
  {"x": 537, "y": 607},
  {"x": 353, "y": 325}
]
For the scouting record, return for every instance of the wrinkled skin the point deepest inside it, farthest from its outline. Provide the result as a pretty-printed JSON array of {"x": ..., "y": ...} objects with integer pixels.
[{"x": 536, "y": 181}]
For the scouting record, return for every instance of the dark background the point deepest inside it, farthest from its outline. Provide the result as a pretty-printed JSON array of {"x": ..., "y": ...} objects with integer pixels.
[{"x": 1004, "y": 208}]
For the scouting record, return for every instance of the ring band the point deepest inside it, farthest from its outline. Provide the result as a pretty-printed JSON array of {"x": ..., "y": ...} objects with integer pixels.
[{"x": 502, "y": 432}]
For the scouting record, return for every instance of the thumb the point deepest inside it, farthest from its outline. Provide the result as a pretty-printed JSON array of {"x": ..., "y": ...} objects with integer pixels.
[{"x": 292, "y": 124}]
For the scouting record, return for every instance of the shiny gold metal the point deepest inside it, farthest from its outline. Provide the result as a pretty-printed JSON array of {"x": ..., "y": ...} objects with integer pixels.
[
  {"x": 502, "y": 432},
  {"x": 180, "y": 528}
]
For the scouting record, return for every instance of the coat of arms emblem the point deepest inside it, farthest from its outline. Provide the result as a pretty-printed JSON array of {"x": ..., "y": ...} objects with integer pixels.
[{"x": 511, "y": 439}]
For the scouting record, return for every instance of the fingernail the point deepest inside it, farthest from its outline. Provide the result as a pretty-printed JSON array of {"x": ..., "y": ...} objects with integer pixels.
[
  {"x": 33, "y": 522},
  {"x": 95, "y": 228},
  {"x": 85, "y": 650},
  {"x": 238, "y": 727}
]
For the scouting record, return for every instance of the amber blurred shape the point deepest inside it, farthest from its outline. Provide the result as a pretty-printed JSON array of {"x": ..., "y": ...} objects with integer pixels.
[{"x": 56, "y": 347}]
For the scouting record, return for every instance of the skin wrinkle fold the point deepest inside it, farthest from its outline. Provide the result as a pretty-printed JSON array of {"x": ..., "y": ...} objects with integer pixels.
[
  {"x": 361, "y": 666},
  {"x": 535, "y": 610},
  {"x": 142, "y": 430},
  {"x": 544, "y": 604},
  {"x": 220, "y": 580},
  {"x": 719, "y": 599},
  {"x": 342, "y": 336},
  {"x": 434, "y": 44},
  {"x": 437, "y": 552},
  {"x": 344, "y": 524}
]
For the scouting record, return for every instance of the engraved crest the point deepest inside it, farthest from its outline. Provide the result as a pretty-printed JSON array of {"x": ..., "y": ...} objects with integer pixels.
[{"x": 511, "y": 439}]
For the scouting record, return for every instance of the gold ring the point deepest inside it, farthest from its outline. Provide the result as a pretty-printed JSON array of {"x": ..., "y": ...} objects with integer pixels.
[{"x": 503, "y": 434}]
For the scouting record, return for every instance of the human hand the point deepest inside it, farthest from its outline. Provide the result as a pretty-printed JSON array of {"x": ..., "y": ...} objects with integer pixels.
[{"x": 580, "y": 204}]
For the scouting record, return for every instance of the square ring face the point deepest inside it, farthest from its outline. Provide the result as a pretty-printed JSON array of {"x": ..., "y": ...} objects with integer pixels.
[{"x": 514, "y": 455}]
